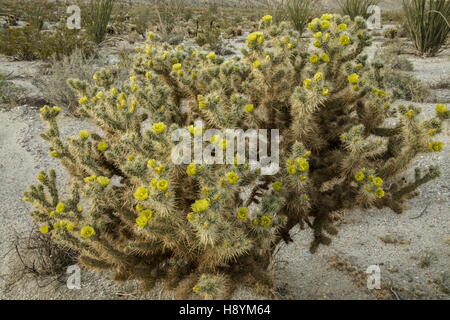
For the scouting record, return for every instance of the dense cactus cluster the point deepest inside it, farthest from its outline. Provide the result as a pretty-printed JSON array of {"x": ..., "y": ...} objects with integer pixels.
[{"x": 203, "y": 228}]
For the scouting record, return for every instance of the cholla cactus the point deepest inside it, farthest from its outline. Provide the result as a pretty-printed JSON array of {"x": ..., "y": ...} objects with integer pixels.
[{"x": 134, "y": 213}]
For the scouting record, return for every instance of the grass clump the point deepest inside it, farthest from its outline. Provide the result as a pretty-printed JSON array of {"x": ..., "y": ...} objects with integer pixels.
[
  {"x": 356, "y": 8},
  {"x": 97, "y": 18},
  {"x": 297, "y": 12},
  {"x": 428, "y": 23},
  {"x": 9, "y": 93}
]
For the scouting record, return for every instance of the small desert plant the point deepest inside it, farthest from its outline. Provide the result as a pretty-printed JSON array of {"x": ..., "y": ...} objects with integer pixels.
[
  {"x": 54, "y": 86},
  {"x": 39, "y": 257},
  {"x": 29, "y": 43},
  {"x": 406, "y": 86},
  {"x": 97, "y": 18},
  {"x": 297, "y": 12},
  {"x": 356, "y": 8},
  {"x": 391, "y": 33},
  {"x": 428, "y": 22},
  {"x": 8, "y": 91},
  {"x": 392, "y": 58},
  {"x": 135, "y": 213}
]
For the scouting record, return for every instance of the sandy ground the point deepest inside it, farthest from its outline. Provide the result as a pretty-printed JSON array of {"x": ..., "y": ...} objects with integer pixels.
[{"x": 399, "y": 244}]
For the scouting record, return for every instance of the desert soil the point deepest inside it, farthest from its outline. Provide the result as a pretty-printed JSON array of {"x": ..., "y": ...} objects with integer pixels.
[{"x": 411, "y": 249}]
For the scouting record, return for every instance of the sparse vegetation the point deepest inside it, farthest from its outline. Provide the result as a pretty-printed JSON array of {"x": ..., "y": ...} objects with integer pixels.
[
  {"x": 97, "y": 17},
  {"x": 297, "y": 12},
  {"x": 28, "y": 43},
  {"x": 428, "y": 23},
  {"x": 356, "y": 8}
]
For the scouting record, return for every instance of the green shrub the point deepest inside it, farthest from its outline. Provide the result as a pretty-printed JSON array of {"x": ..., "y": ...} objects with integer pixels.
[
  {"x": 9, "y": 93},
  {"x": 204, "y": 229},
  {"x": 391, "y": 56},
  {"x": 428, "y": 24},
  {"x": 97, "y": 16},
  {"x": 356, "y": 8},
  {"x": 29, "y": 43},
  {"x": 297, "y": 12},
  {"x": 406, "y": 86}
]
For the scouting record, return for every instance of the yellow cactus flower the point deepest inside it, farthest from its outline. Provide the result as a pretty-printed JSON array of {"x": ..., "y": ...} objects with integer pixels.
[
  {"x": 113, "y": 92},
  {"x": 103, "y": 181},
  {"x": 249, "y": 108},
  {"x": 256, "y": 64},
  {"x": 102, "y": 146},
  {"x": 359, "y": 176},
  {"x": 232, "y": 177},
  {"x": 200, "y": 205},
  {"x": 176, "y": 67},
  {"x": 90, "y": 179},
  {"x": 80, "y": 208},
  {"x": 191, "y": 169},
  {"x": 84, "y": 134},
  {"x": 318, "y": 76},
  {"x": 379, "y": 193},
  {"x": 317, "y": 35},
  {"x": 55, "y": 154},
  {"x": 83, "y": 100},
  {"x": 307, "y": 83},
  {"x": 242, "y": 213},
  {"x": 159, "y": 127},
  {"x": 325, "y": 92},
  {"x": 441, "y": 109},
  {"x": 314, "y": 59},
  {"x": 141, "y": 194},
  {"x": 436, "y": 146},
  {"x": 265, "y": 221},
  {"x": 87, "y": 232},
  {"x": 162, "y": 185},
  {"x": 377, "y": 181},
  {"x": 317, "y": 44},
  {"x": 160, "y": 169},
  {"x": 409, "y": 114},
  {"x": 292, "y": 170},
  {"x": 211, "y": 56},
  {"x": 44, "y": 229},
  {"x": 342, "y": 27},
  {"x": 344, "y": 40},
  {"x": 303, "y": 164},
  {"x": 70, "y": 226},
  {"x": 325, "y": 57},
  {"x": 60, "y": 208},
  {"x": 277, "y": 186},
  {"x": 267, "y": 18},
  {"x": 353, "y": 78},
  {"x": 151, "y": 163},
  {"x": 327, "y": 16},
  {"x": 142, "y": 221},
  {"x": 325, "y": 24}
]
